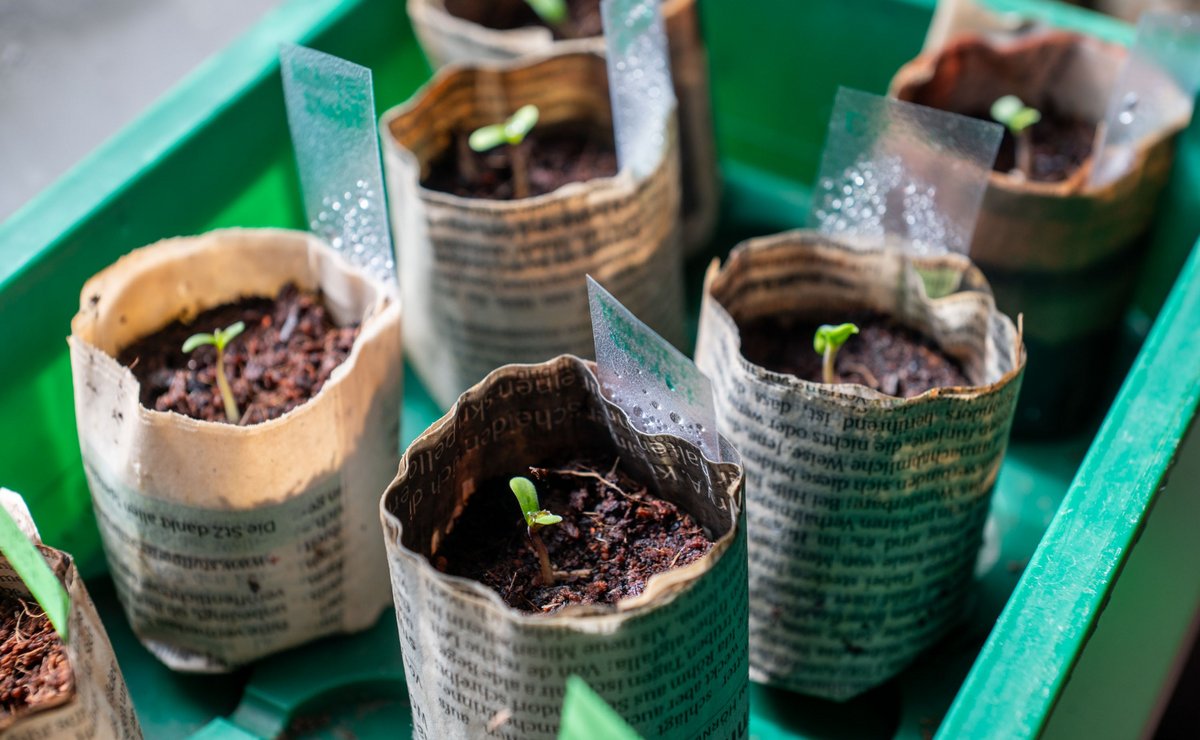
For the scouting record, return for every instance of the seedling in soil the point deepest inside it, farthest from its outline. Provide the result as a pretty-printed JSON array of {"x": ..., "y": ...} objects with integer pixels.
[
  {"x": 827, "y": 341},
  {"x": 553, "y": 12},
  {"x": 220, "y": 339},
  {"x": 511, "y": 132},
  {"x": 1018, "y": 117},
  {"x": 535, "y": 518},
  {"x": 24, "y": 557}
]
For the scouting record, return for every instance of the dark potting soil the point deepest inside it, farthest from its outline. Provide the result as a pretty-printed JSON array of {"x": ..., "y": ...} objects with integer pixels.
[
  {"x": 34, "y": 670},
  {"x": 557, "y": 155},
  {"x": 614, "y": 535},
  {"x": 283, "y": 358},
  {"x": 1061, "y": 144},
  {"x": 884, "y": 355},
  {"x": 503, "y": 15}
]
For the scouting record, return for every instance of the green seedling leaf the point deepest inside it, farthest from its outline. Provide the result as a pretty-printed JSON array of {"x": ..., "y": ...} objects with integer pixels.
[
  {"x": 487, "y": 138},
  {"x": 553, "y": 12},
  {"x": 198, "y": 340},
  {"x": 544, "y": 518},
  {"x": 1013, "y": 113},
  {"x": 220, "y": 339},
  {"x": 27, "y": 561},
  {"x": 828, "y": 336},
  {"x": 586, "y": 715},
  {"x": 527, "y": 497},
  {"x": 230, "y": 333}
]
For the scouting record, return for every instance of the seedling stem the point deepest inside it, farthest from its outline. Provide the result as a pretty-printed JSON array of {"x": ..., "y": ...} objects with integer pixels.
[
  {"x": 1018, "y": 117},
  {"x": 535, "y": 518},
  {"x": 220, "y": 339},
  {"x": 827, "y": 341},
  {"x": 512, "y": 132}
]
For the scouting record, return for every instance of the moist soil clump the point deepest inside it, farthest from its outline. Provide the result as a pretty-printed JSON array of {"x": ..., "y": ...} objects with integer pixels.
[
  {"x": 885, "y": 355},
  {"x": 34, "y": 670},
  {"x": 583, "y": 16},
  {"x": 1061, "y": 144},
  {"x": 557, "y": 155},
  {"x": 613, "y": 537},
  {"x": 283, "y": 358}
]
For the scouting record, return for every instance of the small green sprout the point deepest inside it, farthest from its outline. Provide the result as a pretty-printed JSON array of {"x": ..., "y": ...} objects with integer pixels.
[
  {"x": 535, "y": 518},
  {"x": 511, "y": 132},
  {"x": 24, "y": 557},
  {"x": 1018, "y": 117},
  {"x": 827, "y": 341},
  {"x": 553, "y": 12},
  {"x": 220, "y": 339}
]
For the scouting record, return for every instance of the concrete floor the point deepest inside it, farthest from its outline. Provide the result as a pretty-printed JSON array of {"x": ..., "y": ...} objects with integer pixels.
[{"x": 73, "y": 72}]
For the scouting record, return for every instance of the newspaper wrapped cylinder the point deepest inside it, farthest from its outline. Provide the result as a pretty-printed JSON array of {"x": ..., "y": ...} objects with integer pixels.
[
  {"x": 865, "y": 511},
  {"x": 227, "y": 543},
  {"x": 97, "y": 703},
  {"x": 491, "y": 282},
  {"x": 456, "y": 31},
  {"x": 1064, "y": 253},
  {"x": 672, "y": 660}
]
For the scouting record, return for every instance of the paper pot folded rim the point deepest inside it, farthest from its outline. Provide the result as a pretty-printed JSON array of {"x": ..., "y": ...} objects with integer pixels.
[
  {"x": 660, "y": 588},
  {"x": 269, "y": 515}
]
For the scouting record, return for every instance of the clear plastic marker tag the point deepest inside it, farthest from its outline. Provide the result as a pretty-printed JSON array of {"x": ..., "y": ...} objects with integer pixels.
[
  {"x": 1155, "y": 91},
  {"x": 657, "y": 385},
  {"x": 895, "y": 172},
  {"x": 331, "y": 115},
  {"x": 639, "y": 81}
]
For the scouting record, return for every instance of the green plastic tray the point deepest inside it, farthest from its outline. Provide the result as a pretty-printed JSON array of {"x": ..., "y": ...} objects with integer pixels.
[{"x": 1108, "y": 572}]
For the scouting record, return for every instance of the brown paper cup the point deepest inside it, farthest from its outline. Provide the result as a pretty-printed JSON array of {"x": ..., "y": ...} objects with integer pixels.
[
  {"x": 865, "y": 511},
  {"x": 1065, "y": 254},
  {"x": 448, "y": 38},
  {"x": 671, "y": 661},
  {"x": 229, "y": 543},
  {"x": 98, "y": 705},
  {"x": 487, "y": 283}
]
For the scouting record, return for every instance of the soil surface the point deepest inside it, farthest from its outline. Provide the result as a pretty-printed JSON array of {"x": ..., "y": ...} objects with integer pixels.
[
  {"x": 283, "y": 358},
  {"x": 557, "y": 155},
  {"x": 584, "y": 19},
  {"x": 34, "y": 670},
  {"x": 1061, "y": 144},
  {"x": 884, "y": 355},
  {"x": 614, "y": 535}
]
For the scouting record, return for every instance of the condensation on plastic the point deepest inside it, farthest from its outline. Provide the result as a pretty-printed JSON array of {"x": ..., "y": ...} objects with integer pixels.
[
  {"x": 331, "y": 115},
  {"x": 895, "y": 172},
  {"x": 639, "y": 81},
  {"x": 1157, "y": 86},
  {"x": 657, "y": 385}
]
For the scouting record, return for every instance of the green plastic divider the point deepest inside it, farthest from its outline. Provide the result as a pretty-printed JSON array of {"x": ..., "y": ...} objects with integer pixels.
[{"x": 215, "y": 152}]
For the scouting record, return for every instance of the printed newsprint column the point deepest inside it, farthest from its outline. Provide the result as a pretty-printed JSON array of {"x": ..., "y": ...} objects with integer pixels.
[
  {"x": 671, "y": 661},
  {"x": 865, "y": 511},
  {"x": 98, "y": 705},
  {"x": 228, "y": 543},
  {"x": 492, "y": 282}
]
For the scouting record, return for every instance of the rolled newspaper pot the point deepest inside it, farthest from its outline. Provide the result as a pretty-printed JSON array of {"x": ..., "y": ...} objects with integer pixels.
[
  {"x": 1064, "y": 253},
  {"x": 91, "y": 699},
  {"x": 491, "y": 282},
  {"x": 460, "y": 34},
  {"x": 865, "y": 511},
  {"x": 671, "y": 660},
  {"x": 227, "y": 543}
]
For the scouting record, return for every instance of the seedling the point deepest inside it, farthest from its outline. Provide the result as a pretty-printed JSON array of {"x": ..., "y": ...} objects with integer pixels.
[
  {"x": 220, "y": 339},
  {"x": 535, "y": 518},
  {"x": 553, "y": 12},
  {"x": 24, "y": 557},
  {"x": 511, "y": 132},
  {"x": 1018, "y": 117},
  {"x": 827, "y": 341}
]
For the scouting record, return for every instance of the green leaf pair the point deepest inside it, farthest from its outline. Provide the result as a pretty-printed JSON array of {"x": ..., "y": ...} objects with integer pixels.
[
  {"x": 1013, "y": 113},
  {"x": 219, "y": 338},
  {"x": 527, "y": 498},
  {"x": 512, "y": 132}
]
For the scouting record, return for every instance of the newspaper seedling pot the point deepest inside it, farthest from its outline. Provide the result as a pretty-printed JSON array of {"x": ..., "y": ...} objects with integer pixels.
[
  {"x": 457, "y": 31},
  {"x": 95, "y": 702},
  {"x": 1066, "y": 254},
  {"x": 865, "y": 511},
  {"x": 227, "y": 543},
  {"x": 672, "y": 660},
  {"x": 492, "y": 282}
]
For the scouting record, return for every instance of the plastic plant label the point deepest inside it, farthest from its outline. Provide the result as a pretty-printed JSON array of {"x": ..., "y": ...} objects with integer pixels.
[
  {"x": 22, "y": 554},
  {"x": 657, "y": 385},
  {"x": 1156, "y": 88},
  {"x": 639, "y": 81},
  {"x": 585, "y": 715},
  {"x": 331, "y": 115},
  {"x": 900, "y": 172}
]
